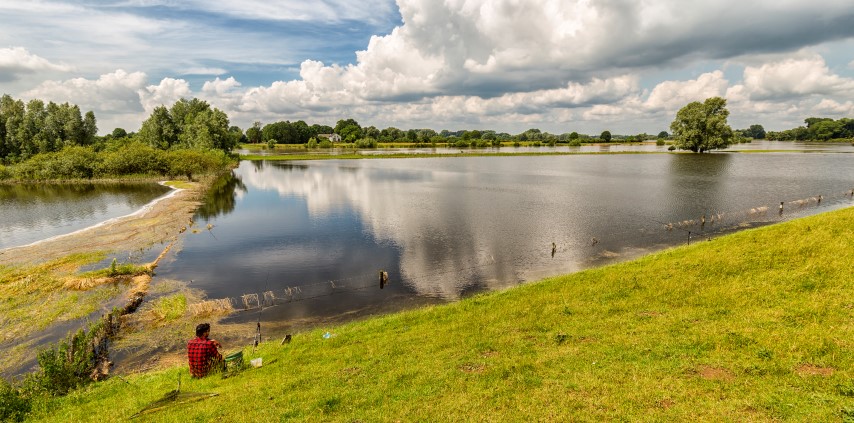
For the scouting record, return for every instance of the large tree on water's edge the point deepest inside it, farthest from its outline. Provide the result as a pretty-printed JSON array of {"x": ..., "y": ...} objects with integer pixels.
[{"x": 701, "y": 127}]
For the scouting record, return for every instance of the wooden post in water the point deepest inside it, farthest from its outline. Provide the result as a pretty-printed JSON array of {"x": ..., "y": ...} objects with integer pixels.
[{"x": 383, "y": 279}]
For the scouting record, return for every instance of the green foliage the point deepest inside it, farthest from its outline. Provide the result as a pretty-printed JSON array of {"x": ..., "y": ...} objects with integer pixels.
[
  {"x": 817, "y": 129},
  {"x": 5, "y": 173},
  {"x": 702, "y": 127},
  {"x": 14, "y": 404},
  {"x": 70, "y": 163},
  {"x": 119, "y": 133},
  {"x": 134, "y": 158},
  {"x": 605, "y": 136},
  {"x": 312, "y": 143},
  {"x": 68, "y": 365},
  {"x": 348, "y": 129},
  {"x": 254, "y": 134},
  {"x": 325, "y": 144},
  {"x": 660, "y": 142},
  {"x": 366, "y": 143},
  {"x": 188, "y": 124},
  {"x": 191, "y": 162},
  {"x": 575, "y": 142},
  {"x": 461, "y": 144},
  {"x": 170, "y": 308}
]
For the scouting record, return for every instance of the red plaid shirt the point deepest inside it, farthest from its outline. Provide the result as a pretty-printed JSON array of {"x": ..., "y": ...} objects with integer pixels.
[{"x": 201, "y": 352}]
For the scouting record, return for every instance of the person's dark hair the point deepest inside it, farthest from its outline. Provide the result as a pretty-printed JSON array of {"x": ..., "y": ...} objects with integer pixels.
[{"x": 202, "y": 328}]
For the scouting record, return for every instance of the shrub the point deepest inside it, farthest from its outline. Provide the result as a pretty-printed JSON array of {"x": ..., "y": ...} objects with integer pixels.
[
  {"x": 191, "y": 162},
  {"x": 659, "y": 141},
  {"x": 5, "y": 173},
  {"x": 671, "y": 148},
  {"x": 325, "y": 144},
  {"x": 461, "y": 144},
  {"x": 134, "y": 159},
  {"x": 68, "y": 365},
  {"x": 574, "y": 142},
  {"x": 14, "y": 406},
  {"x": 312, "y": 143},
  {"x": 367, "y": 143}
]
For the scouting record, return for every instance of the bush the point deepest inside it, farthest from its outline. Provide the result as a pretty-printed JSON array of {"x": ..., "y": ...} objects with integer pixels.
[
  {"x": 461, "y": 144},
  {"x": 325, "y": 144},
  {"x": 671, "y": 148},
  {"x": 517, "y": 144},
  {"x": 659, "y": 141},
  {"x": 68, "y": 365},
  {"x": 5, "y": 173},
  {"x": 312, "y": 143},
  {"x": 134, "y": 159},
  {"x": 191, "y": 162},
  {"x": 367, "y": 143},
  {"x": 70, "y": 163},
  {"x": 574, "y": 143},
  {"x": 14, "y": 406}
]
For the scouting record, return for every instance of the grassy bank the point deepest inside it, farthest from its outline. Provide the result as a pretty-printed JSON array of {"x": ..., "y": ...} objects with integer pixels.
[{"x": 754, "y": 326}]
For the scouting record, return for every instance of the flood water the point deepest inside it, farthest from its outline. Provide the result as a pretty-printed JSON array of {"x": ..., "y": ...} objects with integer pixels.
[
  {"x": 314, "y": 235},
  {"x": 33, "y": 212}
]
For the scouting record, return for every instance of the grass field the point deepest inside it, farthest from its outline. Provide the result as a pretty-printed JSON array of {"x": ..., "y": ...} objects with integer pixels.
[{"x": 754, "y": 326}]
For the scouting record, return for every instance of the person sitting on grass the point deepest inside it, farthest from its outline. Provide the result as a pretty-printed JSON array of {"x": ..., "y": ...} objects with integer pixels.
[{"x": 202, "y": 352}]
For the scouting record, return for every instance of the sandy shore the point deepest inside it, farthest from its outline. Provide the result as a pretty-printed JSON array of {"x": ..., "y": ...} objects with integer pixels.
[{"x": 160, "y": 223}]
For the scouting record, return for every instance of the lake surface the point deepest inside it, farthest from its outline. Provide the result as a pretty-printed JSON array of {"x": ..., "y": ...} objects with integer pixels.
[
  {"x": 33, "y": 212},
  {"x": 314, "y": 235}
]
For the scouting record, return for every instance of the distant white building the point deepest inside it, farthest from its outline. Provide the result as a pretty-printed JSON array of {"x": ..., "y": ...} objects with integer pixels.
[{"x": 330, "y": 137}]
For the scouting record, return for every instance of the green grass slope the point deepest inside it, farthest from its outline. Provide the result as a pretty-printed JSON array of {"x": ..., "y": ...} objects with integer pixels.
[{"x": 755, "y": 326}]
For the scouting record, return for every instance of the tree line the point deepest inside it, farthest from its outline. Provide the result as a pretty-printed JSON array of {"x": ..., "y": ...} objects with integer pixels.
[
  {"x": 817, "y": 129},
  {"x": 35, "y": 127},
  {"x": 53, "y": 141}
]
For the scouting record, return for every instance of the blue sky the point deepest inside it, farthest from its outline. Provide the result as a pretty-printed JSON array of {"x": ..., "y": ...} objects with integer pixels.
[{"x": 558, "y": 65}]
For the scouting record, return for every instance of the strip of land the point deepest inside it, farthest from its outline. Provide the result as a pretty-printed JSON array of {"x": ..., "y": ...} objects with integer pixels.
[
  {"x": 42, "y": 291},
  {"x": 753, "y": 326}
]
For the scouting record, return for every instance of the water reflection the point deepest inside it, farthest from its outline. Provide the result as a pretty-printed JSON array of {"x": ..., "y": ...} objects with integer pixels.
[
  {"x": 32, "y": 212},
  {"x": 443, "y": 228},
  {"x": 222, "y": 196}
]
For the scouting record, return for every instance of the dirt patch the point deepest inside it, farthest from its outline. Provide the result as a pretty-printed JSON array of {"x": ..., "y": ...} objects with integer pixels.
[
  {"x": 715, "y": 373},
  {"x": 666, "y": 403},
  {"x": 813, "y": 370},
  {"x": 471, "y": 367}
]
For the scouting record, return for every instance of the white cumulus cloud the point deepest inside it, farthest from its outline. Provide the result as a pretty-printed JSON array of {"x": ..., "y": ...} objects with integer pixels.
[{"x": 15, "y": 61}]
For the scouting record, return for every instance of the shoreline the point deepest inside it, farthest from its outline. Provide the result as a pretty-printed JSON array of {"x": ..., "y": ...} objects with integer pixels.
[
  {"x": 154, "y": 222},
  {"x": 142, "y": 210}
]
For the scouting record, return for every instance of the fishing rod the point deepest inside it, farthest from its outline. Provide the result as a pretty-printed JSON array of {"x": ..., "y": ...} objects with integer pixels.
[{"x": 260, "y": 309}]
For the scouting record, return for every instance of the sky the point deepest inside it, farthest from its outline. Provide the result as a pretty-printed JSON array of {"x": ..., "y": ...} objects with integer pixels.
[{"x": 558, "y": 65}]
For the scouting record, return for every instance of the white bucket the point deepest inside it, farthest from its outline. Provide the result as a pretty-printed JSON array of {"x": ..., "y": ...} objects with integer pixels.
[{"x": 256, "y": 362}]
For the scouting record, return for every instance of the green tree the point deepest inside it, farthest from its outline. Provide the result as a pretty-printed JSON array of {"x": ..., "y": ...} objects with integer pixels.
[
  {"x": 159, "y": 130},
  {"x": 605, "y": 136},
  {"x": 663, "y": 134},
  {"x": 119, "y": 133},
  {"x": 90, "y": 128},
  {"x": 756, "y": 132},
  {"x": 253, "y": 134},
  {"x": 702, "y": 127},
  {"x": 348, "y": 129}
]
